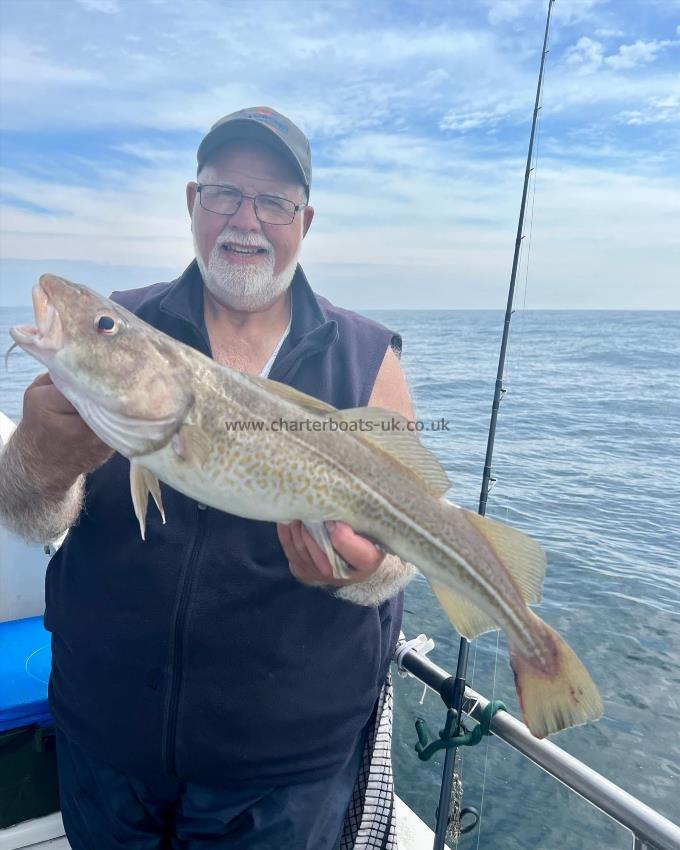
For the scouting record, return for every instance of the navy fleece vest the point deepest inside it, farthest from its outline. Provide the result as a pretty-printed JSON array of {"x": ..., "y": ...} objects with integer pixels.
[{"x": 196, "y": 654}]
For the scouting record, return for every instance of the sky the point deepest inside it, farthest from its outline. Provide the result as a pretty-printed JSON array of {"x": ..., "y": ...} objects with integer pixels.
[{"x": 418, "y": 113}]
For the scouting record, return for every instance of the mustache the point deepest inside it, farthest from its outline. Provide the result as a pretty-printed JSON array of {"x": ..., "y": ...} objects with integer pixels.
[{"x": 247, "y": 240}]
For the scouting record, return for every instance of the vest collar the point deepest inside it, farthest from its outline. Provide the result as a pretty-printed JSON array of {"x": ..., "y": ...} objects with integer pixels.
[{"x": 311, "y": 330}]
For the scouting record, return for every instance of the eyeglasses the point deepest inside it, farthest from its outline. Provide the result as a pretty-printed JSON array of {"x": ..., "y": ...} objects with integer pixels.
[{"x": 225, "y": 200}]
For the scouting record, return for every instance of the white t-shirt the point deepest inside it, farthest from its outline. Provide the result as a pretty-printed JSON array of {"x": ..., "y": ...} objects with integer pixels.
[{"x": 266, "y": 369}]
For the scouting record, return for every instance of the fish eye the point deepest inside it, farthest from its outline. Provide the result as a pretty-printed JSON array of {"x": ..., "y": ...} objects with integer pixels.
[{"x": 107, "y": 325}]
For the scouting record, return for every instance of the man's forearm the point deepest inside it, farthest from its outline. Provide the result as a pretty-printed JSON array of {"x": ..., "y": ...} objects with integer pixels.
[
  {"x": 390, "y": 577},
  {"x": 35, "y": 510}
]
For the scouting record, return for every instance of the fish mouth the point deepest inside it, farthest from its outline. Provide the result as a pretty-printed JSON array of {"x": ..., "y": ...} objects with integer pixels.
[{"x": 47, "y": 334}]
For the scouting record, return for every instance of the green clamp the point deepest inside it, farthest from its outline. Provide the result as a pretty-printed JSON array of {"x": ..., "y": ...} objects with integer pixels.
[{"x": 427, "y": 746}]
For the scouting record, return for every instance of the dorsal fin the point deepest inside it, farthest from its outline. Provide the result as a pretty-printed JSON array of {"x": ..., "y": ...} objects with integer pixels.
[
  {"x": 308, "y": 402},
  {"x": 389, "y": 431}
]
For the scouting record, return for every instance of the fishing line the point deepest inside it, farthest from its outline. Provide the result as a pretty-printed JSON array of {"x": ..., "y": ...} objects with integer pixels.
[
  {"x": 514, "y": 367},
  {"x": 28, "y": 672},
  {"x": 517, "y": 331},
  {"x": 487, "y": 744}
]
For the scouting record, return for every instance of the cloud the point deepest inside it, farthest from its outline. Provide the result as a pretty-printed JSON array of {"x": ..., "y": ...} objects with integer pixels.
[
  {"x": 639, "y": 53},
  {"x": 572, "y": 12},
  {"x": 586, "y": 55},
  {"x": 107, "y": 7},
  {"x": 476, "y": 118},
  {"x": 141, "y": 218},
  {"x": 26, "y": 66},
  {"x": 450, "y": 74},
  {"x": 565, "y": 12},
  {"x": 361, "y": 77},
  {"x": 609, "y": 32},
  {"x": 661, "y": 110},
  {"x": 150, "y": 153},
  {"x": 501, "y": 11}
]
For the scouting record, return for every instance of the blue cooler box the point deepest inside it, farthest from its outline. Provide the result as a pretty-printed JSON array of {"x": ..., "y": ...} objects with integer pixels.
[{"x": 28, "y": 764}]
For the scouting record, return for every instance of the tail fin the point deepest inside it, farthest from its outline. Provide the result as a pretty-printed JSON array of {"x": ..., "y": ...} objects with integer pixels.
[{"x": 552, "y": 699}]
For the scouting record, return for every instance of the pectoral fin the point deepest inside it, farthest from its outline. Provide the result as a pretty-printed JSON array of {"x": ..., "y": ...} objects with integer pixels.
[
  {"x": 191, "y": 444},
  {"x": 143, "y": 482},
  {"x": 322, "y": 539}
]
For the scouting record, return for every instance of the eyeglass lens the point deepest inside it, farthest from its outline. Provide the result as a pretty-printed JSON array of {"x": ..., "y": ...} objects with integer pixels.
[{"x": 224, "y": 200}]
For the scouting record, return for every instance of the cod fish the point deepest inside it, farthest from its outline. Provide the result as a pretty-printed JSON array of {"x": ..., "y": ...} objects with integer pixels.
[{"x": 168, "y": 408}]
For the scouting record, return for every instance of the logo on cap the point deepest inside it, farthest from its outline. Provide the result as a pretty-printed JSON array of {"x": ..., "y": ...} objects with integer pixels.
[{"x": 265, "y": 115}]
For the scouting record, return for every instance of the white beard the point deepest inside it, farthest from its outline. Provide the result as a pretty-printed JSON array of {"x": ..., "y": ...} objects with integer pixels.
[{"x": 246, "y": 288}]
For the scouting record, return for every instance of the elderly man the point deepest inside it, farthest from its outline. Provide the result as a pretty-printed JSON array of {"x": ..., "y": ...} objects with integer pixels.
[{"x": 215, "y": 686}]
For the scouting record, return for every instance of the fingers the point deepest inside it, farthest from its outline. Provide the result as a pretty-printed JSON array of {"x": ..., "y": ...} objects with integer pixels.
[
  {"x": 44, "y": 394},
  {"x": 299, "y": 555},
  {"x": 358, "y": 551},
  {"x": 57, "y": 444},
  {"x": 309, "y": 564},
  {"x": 56, "y": 402},
  {"x": 41, "y": 380}
]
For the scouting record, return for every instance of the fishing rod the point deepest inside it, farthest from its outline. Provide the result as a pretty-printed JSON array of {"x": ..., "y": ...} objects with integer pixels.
[{"x": 448, "y": 783}]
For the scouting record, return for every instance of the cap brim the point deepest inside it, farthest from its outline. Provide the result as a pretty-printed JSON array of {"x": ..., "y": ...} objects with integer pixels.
[{"x": 247, "y": 129}]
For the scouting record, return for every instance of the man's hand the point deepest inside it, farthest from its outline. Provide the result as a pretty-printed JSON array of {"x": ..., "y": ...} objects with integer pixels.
[
  {"x": 55, "y": 444},
  {"x": 310, "y": 566}
]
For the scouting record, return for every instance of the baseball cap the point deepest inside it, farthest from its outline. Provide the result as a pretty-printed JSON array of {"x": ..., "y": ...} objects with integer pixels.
[{"x": 266, "y": 125}]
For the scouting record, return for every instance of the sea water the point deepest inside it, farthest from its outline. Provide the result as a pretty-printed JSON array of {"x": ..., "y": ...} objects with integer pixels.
[{"x": 587, "y": 461}]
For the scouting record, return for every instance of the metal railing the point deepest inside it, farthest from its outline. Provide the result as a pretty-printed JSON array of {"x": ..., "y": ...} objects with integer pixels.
[{"x": 651, "y": 831}]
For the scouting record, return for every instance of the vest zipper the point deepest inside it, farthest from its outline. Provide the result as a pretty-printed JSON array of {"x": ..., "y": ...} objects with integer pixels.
[{"x": 178, "y": 629}]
